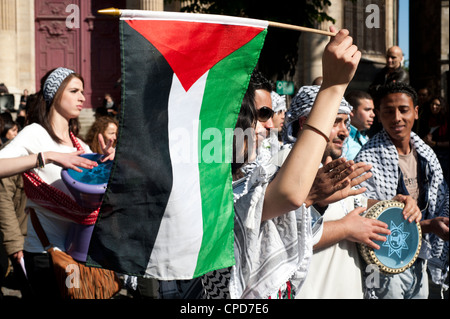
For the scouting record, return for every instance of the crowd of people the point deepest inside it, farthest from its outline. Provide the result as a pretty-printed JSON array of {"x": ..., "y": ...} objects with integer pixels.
[{"x": 311, "y": 171}]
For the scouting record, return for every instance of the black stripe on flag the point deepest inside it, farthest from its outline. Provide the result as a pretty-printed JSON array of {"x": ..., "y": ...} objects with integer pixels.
[{"x": 141, "y": 178}]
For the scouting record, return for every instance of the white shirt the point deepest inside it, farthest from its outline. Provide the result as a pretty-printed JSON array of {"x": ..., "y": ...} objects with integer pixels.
[
  {"x": 32, "y": 140},
  {"x": 335, "y": 272}
]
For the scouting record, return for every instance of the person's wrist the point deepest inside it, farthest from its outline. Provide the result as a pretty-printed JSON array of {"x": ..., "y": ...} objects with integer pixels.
[
  {"x": 332, "y": 86},
  {"x": 48, "y": 157}
]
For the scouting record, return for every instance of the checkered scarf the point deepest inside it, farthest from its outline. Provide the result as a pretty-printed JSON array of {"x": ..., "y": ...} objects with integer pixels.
[
  {"x": 301, "y": 106},
  {"x": 382, "y": 154},
  {"x": 278, "y": 102},
  {"x": 55, "y": 200}
]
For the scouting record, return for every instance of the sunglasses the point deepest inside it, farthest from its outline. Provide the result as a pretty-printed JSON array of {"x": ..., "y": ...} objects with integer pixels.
[{"x": 264, "y": 114}]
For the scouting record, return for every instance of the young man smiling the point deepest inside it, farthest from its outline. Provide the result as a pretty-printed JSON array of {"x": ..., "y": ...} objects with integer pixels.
[
  {"x": 403, "y": 164},
  {"x": 335, "y": 269}
]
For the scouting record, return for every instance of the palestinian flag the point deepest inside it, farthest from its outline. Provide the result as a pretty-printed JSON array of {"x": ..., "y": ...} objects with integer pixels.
[{"x": 168, "y": 210}]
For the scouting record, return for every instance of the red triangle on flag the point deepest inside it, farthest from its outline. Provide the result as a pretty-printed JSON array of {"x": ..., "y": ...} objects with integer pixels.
[{"x": 192, "y": 48}]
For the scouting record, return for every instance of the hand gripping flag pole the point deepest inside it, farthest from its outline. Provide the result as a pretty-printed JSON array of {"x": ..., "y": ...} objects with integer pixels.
[{"x": 117, "y": 12}]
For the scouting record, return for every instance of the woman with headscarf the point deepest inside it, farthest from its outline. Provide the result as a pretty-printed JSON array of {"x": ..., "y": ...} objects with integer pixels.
[{"x": 40, "y": 151}]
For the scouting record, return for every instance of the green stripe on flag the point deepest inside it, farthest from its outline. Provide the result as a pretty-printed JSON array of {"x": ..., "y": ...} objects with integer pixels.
[{"x": 226, "y": 85}]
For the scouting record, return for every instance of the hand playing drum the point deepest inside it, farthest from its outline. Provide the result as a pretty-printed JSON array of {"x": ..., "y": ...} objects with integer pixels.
[{"x": 402, "y": 246}]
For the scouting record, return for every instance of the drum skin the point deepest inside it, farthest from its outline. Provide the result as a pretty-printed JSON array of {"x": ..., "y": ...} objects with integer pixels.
[
  {"x": 400, "y": 250},
  {"x": 88, "y": 186}
]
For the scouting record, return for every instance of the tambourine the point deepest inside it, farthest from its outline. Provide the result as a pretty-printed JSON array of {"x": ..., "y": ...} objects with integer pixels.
[
  {"x": 402, "y": 246},
  {"x": 89, "y": 185}
]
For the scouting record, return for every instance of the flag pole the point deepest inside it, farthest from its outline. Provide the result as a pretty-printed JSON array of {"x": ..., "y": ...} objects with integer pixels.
[
  {"x": 298, "y": 28},
  {"x": 116, "y": 12},
  {"x": 110, "y": 12}
]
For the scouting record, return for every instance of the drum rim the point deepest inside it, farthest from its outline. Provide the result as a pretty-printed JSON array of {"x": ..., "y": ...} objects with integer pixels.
[
  {"x": 94, "y": 189},
  {"x": 368, "y": 253}
]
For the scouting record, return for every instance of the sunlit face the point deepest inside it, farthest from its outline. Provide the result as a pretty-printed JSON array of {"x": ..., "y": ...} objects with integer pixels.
[
  {"x": 110, "y": 134},
  {"x": 397, "y": 115},
  {"x": 338, "y": 134},
  {"x": 263, "y": 98},
  {"x": 12, "y": 132},
  {"x": 278, "y": 120},
  {"x": 72, "y": 99},
  {"x": 362, "y": 117}
]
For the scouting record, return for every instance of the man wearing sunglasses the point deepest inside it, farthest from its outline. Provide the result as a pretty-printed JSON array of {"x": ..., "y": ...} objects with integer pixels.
[{"x": 263, "y": 103}]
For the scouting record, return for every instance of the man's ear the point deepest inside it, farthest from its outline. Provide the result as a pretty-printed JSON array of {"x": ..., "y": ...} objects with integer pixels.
[{"x": 416, "y": 111}]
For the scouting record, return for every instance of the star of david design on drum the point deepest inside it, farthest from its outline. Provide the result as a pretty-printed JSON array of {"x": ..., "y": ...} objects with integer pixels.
[
  {"x": 402, "y": 246},
  {"x": 396, "y": 241}
]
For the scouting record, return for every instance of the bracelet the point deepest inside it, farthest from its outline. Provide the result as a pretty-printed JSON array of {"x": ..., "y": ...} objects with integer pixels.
[
  {"x": 327, "y": 139},
  {"x": 40, "y": 162}
]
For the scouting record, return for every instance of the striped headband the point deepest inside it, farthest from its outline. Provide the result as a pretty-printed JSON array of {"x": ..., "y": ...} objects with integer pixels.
[{"x": 53, "y": 83}]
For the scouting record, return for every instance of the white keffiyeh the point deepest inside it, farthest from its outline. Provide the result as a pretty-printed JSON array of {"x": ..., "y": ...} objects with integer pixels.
[
  {"x": 269, "y": 253},
  {"x": 278, "y": 102},
  {"x": 301, "y": 106},
  {"x": 383, "y": 155}
]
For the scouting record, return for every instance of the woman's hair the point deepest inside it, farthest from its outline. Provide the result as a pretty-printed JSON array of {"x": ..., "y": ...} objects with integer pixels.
[
  {"x": 39, "y": 111},
  {"x": 99, "y": 127},
  {"x": 444, "y": 106},
  {"x": 247, "y": 118},
  {"x": 442, "y": 116},
  {"x": 8, "y": 123}
]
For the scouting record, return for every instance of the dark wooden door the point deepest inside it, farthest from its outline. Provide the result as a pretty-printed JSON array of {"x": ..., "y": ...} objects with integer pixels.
[{"x": 86, "y": 42}]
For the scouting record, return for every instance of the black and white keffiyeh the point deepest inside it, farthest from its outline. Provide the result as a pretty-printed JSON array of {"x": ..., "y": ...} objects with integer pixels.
[
  {"x": 301, "y": 106},
  {"x": 278, "y": 102},
  {"x": 268, "y": 254},
  {"x": 382, "y": 154}
]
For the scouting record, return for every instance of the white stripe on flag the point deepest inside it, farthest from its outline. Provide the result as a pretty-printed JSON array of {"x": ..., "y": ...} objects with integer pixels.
[
  {"x": 127, "y": 14},
  {"x": 181, "y": 230}
]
